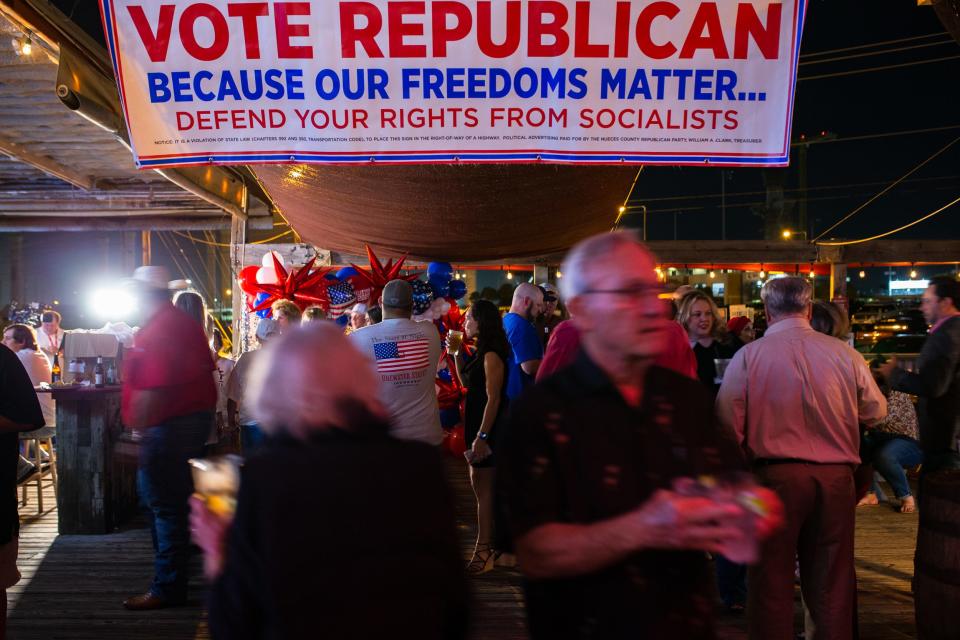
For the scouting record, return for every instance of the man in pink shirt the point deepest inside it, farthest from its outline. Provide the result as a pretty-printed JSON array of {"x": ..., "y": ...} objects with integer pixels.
[
  {"x": 795, "y": 400},
  {"x": 564, "y": 346}
]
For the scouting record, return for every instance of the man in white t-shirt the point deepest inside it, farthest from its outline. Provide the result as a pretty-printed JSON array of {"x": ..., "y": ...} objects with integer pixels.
[
  {"x": 50, "y": 335},
  {"x": 405, "y": 354}
]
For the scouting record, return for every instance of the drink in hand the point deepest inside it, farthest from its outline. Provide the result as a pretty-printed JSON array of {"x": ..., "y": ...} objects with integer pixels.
[
  {"x": 216, "y": 481},
  {"x": 454, "y": 341}
]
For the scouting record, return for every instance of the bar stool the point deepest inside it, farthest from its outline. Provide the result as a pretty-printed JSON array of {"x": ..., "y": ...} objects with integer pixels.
[{"x": 39, "y": 437}]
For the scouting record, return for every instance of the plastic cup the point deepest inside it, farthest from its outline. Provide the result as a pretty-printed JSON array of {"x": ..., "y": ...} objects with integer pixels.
[
  {"x": 454, "y": 341},
  {"x": 216, "y": 481}
]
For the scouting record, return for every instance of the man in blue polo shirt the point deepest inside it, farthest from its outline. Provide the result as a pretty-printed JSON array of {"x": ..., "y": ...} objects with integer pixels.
[{"x": 527, "y": 348}]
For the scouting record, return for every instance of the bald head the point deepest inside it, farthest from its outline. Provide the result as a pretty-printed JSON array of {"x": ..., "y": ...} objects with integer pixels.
[{"x": 527, "y": 301}]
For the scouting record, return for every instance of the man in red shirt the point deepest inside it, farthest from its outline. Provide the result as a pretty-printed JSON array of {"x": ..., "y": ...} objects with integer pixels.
[{"x": 169, "y": 397}]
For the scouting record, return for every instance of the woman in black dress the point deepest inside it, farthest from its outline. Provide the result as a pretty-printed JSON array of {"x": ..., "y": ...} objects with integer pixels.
[{"x": 484, "y": 416}]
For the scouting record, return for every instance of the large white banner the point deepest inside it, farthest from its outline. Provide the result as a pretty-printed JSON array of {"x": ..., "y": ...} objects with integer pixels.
[{"x": 390, "y": 81}]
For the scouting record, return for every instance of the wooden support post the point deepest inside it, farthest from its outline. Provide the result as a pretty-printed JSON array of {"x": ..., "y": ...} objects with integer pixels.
[
  {"x": 838, "y": 281},
  {"x": 238, "y": 238},
  {"x": 129, "y": 252},
  {"x": 541, "y": 273},
  {"x": 145, "y": 248}
]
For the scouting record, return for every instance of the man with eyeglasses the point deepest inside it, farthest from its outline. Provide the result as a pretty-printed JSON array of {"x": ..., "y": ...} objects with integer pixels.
[{"x": 607, "y": 547}]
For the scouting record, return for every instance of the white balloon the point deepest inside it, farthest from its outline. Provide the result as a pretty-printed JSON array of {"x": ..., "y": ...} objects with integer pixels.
[
  {"x": 268, "y": 259},
  {"x": 267, "y": 275}
]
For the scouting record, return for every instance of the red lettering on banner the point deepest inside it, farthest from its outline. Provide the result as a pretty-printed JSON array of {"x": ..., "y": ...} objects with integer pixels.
[
  {"x": 582, "y": 47},
  {"x": 285, "y": 30},
  {"x": 537, "y": 29},
  {"x": 621, "y": 31},
  {"x": 248, "y": 14},
  {"x": 553, "y": 29},
  {"x": 645, "y": 26},
  {"x": 157, "y": 44},
  {"x": 766, "y": 37},
  {"x": 444, "y": 34},
  {"x": 351, "y": 35},
  {"x": 705, "y": 33},
  {"x": 188, "y": 36},
  {"x": 399, "y": 29},
  {"x": 511, "y": 41}
]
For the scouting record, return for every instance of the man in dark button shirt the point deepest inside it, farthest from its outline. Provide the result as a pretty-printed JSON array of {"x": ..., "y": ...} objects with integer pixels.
[
  {"x": 19, "y": 411},
  {"x": 608, "y": 549}
]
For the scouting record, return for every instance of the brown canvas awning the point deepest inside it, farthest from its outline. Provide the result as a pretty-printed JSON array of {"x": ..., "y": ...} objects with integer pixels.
[{"x": 449, "y": 212}]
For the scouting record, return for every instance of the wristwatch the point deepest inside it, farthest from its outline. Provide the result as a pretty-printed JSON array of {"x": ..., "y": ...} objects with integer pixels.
[{"x": 483, "y": 436}]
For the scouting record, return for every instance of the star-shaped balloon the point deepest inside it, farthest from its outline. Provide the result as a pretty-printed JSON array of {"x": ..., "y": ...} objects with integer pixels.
[
  {"x": 300, "y": 286},
  {"x": 377, "y": 277}
]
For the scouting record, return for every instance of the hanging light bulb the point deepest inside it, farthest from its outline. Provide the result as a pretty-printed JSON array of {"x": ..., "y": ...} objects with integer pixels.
[
  {"x": 559, "y": 273},
  {"x": 713, "y": 274},
  {"x": 913, "y": 274},
  {"x": 812, "y": 273},
  {"x": 763, "y": 274},
  {"x": 509, "y": 275},
  {"x": 863, "y": 274}
]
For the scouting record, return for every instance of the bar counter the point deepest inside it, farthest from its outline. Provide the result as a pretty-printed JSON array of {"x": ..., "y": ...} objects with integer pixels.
[{"x": 96, "y": 461}]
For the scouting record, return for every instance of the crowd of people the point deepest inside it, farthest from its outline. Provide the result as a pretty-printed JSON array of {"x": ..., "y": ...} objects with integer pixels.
[{"x": 627, "y": 450}]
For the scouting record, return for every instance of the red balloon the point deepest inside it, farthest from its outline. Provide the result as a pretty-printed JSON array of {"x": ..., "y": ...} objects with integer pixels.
[
  {"x": 455, "y": 441},
  {"x": 248, "y": 280}
]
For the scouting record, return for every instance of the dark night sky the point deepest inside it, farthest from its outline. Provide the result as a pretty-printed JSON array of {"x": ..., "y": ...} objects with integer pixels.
[{"x": 916, "y": 97}]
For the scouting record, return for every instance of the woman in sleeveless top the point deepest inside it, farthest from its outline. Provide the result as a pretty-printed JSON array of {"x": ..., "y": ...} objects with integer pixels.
[{"x": 485, "y": 414}]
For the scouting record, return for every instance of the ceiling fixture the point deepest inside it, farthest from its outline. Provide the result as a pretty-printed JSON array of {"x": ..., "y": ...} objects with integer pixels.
[
  {"x": 509, "y": 275},
  {"x": 763, "y": 274}
]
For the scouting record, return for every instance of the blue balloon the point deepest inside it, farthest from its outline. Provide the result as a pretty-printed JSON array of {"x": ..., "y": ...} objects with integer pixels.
[
  {"x": 346, "y": 272},
  {"x": 261, "y": 297},
  {"x": 440, "y": 270},
  {"x": 458, "y": 289},
  {"x": 441, "y": 287}
]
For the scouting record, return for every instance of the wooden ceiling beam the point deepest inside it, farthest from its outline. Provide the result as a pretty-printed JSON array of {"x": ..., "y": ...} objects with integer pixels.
[{"x": 45, "y": 164}]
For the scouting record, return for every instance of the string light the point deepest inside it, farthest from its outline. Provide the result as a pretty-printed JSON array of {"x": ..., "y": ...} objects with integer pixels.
[
  {"x": 23, "y": 46},
  {"x": 509, "y": 275},
  {"x": 863, "y": 274},
  {"x": 713, "y": 274},
  {"x": 559, "y": 274},
  {"x": 813, "y": 273},
  {"x": 763, "y": 274},
  {"x": 913, "y": 274}
]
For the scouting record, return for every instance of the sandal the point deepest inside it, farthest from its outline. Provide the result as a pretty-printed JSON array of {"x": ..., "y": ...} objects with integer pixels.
[
  {"x": 482, "y": 561},
  {"x": 908, "y": 504}
]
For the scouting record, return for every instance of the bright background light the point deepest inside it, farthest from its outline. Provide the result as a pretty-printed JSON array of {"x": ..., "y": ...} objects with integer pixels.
[{"x": 112, "y": 304}]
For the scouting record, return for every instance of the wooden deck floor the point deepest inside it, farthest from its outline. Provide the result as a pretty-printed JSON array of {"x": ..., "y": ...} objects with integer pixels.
[{"x": 72, "y": 586}]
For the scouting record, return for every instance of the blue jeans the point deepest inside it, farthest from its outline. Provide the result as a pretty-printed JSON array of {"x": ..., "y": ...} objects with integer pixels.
[
  {"x": 889, "y": 454},
  {"x": 165, "y": 484}
]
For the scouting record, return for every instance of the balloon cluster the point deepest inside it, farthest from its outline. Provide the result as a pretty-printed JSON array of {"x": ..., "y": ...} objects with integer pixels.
[
  {"x": 437, "y": 297},
  {"x": 334, "y": 293}
]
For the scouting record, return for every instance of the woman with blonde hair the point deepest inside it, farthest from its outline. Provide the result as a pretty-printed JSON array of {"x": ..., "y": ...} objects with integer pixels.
[
  {"x": 701, "y": 318},
  {"x": 334, "y": 517}
]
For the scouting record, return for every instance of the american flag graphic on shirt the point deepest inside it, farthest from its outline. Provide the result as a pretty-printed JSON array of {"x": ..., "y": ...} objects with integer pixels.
[{"x": 401, "y": 355}]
